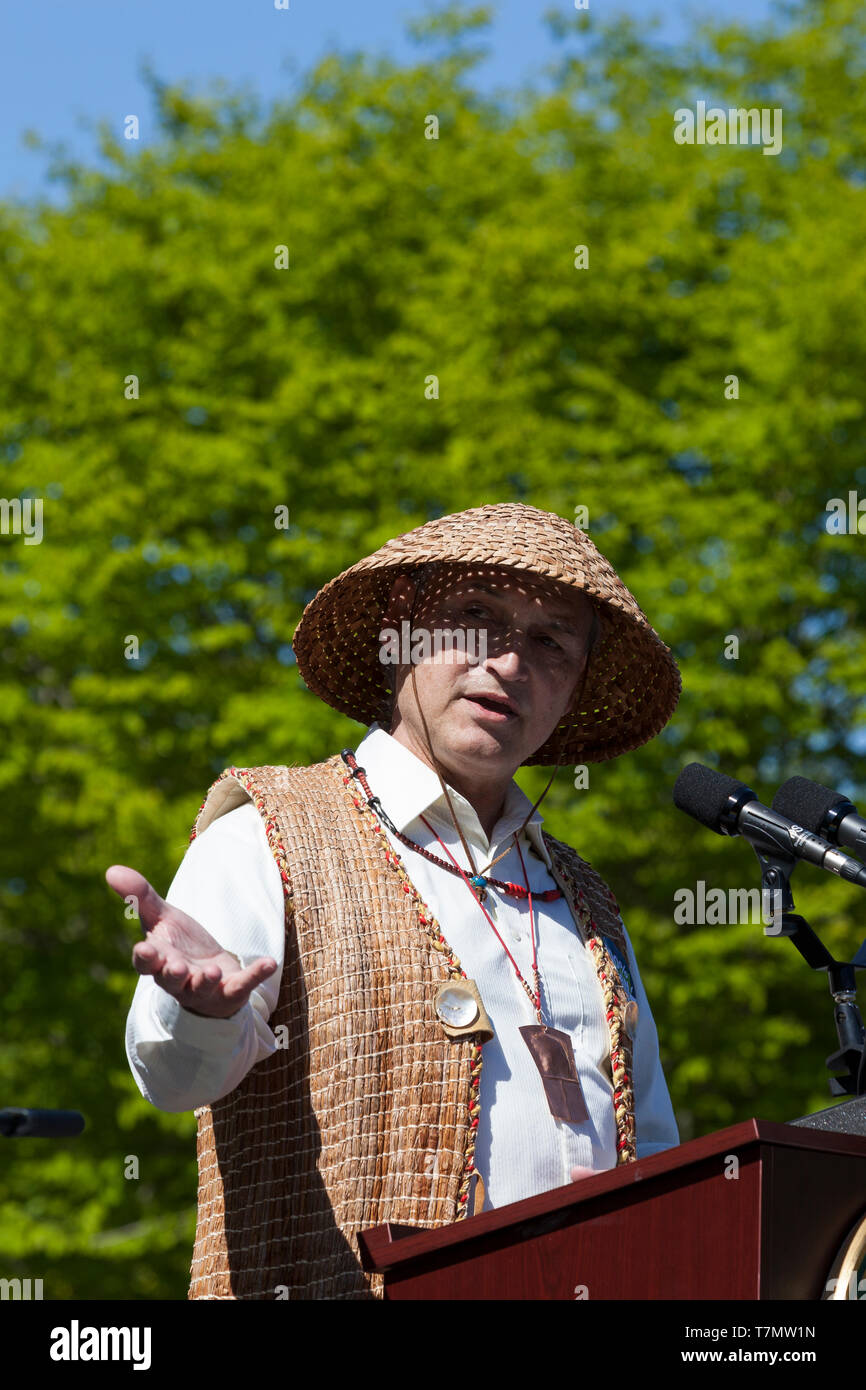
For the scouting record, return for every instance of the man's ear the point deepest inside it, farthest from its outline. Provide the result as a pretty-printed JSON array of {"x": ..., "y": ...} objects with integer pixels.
[
  {"x": 577, "y": 685},
  {"x": 399, "y": 604}
]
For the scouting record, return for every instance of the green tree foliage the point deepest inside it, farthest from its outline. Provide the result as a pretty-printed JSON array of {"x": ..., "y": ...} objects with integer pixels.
[{"x": 304, "y": 387}]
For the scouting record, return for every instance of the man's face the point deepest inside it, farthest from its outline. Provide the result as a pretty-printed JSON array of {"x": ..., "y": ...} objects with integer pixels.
[{"x": 489, "y": 712}]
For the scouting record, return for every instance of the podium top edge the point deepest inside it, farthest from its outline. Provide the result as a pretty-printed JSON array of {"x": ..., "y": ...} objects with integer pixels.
[{"x": 389, "y": 1245}]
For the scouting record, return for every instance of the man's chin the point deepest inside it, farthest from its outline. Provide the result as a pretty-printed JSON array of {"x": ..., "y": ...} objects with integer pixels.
[{"x": 469, "y": 736}]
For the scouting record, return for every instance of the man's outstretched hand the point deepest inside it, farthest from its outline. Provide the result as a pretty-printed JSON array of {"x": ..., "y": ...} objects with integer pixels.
[{"x": 183, "y": 958}]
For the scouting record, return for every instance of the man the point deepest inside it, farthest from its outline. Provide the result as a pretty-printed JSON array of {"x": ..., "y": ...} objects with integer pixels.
[{"x": 387, "y": 992}]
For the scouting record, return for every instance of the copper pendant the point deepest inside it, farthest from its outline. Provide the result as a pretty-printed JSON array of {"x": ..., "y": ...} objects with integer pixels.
[{"x": 553, "y": 1054}]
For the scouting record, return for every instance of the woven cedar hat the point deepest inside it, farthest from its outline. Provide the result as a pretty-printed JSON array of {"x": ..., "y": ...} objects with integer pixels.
[{"x": 632, "y": 685}]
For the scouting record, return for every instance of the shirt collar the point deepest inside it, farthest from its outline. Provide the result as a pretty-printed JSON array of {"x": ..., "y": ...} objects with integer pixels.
[{"x": 409, "y": 788}]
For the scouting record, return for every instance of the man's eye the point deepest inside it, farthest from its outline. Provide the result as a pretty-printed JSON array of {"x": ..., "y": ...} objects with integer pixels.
[{"x": 545, "y": 637}]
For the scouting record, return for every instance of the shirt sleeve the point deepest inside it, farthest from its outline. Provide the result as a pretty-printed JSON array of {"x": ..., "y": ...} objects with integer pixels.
[
  {"x": 655, "y": 1123},
  {"x": 229, "y": 882}
]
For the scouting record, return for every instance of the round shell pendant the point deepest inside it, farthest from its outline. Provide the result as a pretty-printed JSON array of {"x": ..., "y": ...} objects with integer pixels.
[{"x": 456, "y": 1005}]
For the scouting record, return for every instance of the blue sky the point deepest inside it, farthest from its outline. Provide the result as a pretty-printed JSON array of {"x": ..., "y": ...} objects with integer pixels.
[{"x": 64, "y": 67}]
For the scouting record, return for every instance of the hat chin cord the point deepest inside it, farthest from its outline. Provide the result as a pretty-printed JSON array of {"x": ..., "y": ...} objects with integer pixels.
[{"x": 435, "y": 761}]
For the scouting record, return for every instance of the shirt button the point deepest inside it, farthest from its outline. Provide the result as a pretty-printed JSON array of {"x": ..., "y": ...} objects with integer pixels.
[{"x": 515, "y": 936}]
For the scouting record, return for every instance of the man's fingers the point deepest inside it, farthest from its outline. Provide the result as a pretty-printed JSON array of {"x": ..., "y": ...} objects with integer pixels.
[
  {"x": 175, "y": 972},
  {"x": 205, "y": 984},
  {"x": 260, "y": 970},
  {"x": 147, "y": 957},
  {"x": 263, "y": 968},
  {"x": 215, "y": 994},
  {"x": 129, "y": 883},
  {"x": 242, "y": 984},
  {"x": 169, "y": 968},
  {"x": 198, "y": 986}
]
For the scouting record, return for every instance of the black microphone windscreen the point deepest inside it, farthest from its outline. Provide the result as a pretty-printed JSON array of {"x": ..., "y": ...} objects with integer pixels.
[
  {"x": 703, "y": 793},
  {"x": 40, "y": 1124},
  {"x": 805, "y": 803}
]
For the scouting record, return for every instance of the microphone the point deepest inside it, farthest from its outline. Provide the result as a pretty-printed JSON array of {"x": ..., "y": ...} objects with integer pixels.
[
  {"x": 822, "y": 811},
  {"x": 730, "y": 807},
  {"x": 16, "y": 1123}
]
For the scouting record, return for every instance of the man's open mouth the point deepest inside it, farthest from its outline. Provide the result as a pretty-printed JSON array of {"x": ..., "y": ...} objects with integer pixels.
[{"x": 496, "y": 704}]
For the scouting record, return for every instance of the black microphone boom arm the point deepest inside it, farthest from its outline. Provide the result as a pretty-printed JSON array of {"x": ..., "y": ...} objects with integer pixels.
[{"x": 776, "y": 869}]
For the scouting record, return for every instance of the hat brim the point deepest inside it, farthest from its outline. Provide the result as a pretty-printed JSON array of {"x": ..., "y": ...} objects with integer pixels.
[{"x": 633, "y": 682}]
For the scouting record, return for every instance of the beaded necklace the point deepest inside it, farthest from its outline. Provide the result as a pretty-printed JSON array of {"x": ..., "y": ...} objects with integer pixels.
[{"x": 479, "y": 881}]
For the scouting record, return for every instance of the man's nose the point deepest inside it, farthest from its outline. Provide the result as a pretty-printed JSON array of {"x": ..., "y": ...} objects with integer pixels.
[{"x": 507, "y": 654}]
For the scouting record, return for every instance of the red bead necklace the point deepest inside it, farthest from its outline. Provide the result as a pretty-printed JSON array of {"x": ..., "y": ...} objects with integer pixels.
[{"x": 478, "y": 881}]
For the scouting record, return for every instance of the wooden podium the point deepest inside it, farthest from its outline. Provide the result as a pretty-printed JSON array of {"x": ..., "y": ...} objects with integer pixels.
[{"x": 756, "y": 1211}]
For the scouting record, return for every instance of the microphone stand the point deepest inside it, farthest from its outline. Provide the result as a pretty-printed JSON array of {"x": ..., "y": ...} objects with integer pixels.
[{"x": 776, "y": 870}]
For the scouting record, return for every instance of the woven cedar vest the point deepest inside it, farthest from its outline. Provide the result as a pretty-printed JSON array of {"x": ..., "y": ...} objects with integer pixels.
[{"x": 367, "y": 1111}]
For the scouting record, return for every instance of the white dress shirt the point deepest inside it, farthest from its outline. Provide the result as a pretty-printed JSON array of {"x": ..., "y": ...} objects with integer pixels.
[{"x": 229, "y": 882}]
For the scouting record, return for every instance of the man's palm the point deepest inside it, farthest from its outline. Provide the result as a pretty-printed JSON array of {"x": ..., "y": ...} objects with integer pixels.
[{"x": 182, "y": 956}]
